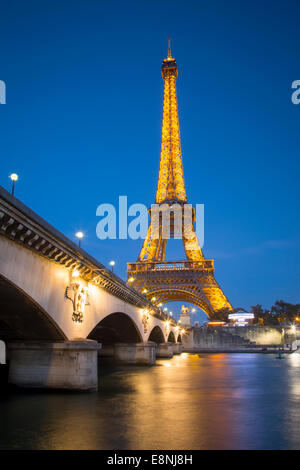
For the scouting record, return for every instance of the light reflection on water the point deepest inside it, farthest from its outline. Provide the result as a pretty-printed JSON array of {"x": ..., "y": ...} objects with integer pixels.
[{"x": 206, "y": 401}]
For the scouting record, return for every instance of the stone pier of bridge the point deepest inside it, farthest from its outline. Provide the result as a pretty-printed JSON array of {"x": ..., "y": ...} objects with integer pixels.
[
  {"x": 73, "y": 365},
  {"x": 135, "y": 353},
  {"x": 62, "y": 365},
  {"x": 164, "y": 350}
]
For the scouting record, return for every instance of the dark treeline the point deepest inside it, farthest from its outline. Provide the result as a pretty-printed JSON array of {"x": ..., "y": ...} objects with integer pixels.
[{"x": 280, "y": 312}]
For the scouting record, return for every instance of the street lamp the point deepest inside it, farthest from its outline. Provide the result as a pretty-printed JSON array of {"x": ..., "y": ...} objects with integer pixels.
[
  {"x": 294, "y": 330},
  {"x": 80, "y": 236},
  {"x": 112, "y": 263},
  {"x": 14, "y": 177}
]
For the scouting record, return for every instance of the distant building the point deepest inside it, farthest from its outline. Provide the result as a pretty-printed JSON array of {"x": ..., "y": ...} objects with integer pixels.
[
  {"x": 240, "y": 318},
  {"x": 216, "y": 323}
]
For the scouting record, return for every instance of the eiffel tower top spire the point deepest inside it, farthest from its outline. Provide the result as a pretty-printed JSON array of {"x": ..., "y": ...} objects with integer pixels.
[
  {"x": 169, "y": 49},
  {"x": 171, "y": 186}
]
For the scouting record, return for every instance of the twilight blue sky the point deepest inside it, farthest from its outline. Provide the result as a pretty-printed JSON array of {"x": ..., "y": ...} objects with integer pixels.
[{"x": 83, "y": 117}]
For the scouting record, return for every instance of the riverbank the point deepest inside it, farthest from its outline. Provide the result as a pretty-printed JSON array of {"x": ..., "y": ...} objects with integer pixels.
[{"x": 254, "y": 350}]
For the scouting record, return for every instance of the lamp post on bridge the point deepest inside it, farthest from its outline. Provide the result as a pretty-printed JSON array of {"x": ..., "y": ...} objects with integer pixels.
[
  {"x": 14, "y": 177},
  {"x": 80, "y": 236},
  {"x": 112, "y": 263}
]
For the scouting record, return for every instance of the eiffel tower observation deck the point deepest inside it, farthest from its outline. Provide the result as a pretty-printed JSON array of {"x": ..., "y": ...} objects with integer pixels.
[{"x": 191, "y": 280}]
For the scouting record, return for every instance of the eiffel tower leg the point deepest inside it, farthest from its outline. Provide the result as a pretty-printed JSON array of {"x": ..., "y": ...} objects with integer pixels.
[
  {"x": 191, "y": 246},
  {"x": 214, "y": 294},
  {"x": 161, "y": 250},
  {"x": 153, "y": 248}
]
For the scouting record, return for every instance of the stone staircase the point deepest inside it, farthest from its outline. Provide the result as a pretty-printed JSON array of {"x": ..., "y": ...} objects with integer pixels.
[{"x": 218, "y": 337}]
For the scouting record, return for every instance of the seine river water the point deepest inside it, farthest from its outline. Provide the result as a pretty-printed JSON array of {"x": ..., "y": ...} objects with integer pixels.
[{"x": 205, "y": 401}]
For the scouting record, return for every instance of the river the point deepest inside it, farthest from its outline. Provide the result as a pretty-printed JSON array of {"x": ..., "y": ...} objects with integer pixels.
[{"x": 205, "y": 401}]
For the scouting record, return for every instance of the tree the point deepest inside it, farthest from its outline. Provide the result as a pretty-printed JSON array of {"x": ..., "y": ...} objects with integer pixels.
[
  {"x": 259, "y": 313},
  {"x": 263, "y": 316},
  {"x": 285, "y": 311},
  {"x": 221, "y": 314},
  {"x": 280, "y": 312}
]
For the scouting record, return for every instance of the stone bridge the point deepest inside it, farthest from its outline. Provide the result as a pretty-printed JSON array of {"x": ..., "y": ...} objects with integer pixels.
[{"x": 60, "y": 308}]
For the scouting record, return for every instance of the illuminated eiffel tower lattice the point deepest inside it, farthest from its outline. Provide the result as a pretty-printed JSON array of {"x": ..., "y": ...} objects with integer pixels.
[{"x": 191, "y": 280}]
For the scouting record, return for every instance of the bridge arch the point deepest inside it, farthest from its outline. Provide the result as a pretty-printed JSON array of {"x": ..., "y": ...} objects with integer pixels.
[
  {"x": 171, "y": 337},
  {"x": 22, "y": 318},
  {"x": 156, "y": 335},
  {"x": 116, "y": 327}
]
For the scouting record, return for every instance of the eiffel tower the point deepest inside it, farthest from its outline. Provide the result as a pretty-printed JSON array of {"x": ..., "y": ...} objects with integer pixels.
[{"x": 191, "y": 280}]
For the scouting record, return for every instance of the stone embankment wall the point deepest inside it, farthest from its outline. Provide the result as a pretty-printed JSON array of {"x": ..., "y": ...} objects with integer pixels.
[
  {"x": 212, "y": 338},
  {"x": 258, "y": 334},
  {"x": 267, "y": 335},
  {"x": 239, "y": 337}
]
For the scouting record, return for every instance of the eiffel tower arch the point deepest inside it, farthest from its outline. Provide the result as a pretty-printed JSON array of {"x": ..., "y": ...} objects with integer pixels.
[{"x": 191, "y": 280}]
